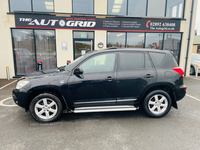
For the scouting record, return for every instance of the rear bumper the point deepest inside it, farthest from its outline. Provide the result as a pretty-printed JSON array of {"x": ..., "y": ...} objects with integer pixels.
[{"x": 181, "y": 91}]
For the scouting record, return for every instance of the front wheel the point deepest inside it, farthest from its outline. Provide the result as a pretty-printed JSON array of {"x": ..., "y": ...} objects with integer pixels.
[
  {"x": 157, "y": 104},
  {"x": 45, "y": 107}
]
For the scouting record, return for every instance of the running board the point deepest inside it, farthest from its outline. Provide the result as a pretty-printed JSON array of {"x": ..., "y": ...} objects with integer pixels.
[{"x": 105, "y": 109}]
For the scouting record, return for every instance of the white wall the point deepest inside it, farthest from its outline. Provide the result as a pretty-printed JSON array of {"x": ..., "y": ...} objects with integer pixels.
[{"x": 6, "y": 51}]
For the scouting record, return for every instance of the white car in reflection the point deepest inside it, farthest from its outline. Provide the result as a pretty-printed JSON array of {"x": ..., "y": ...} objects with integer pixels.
[{"x": 194, "y": 62}]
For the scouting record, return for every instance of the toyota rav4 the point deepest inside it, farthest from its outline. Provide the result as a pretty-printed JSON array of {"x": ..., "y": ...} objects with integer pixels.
[{"x": 106, "y": 80}]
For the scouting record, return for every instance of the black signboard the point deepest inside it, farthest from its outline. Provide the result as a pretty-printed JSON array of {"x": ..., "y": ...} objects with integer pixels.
[{"x": 87, "y": 23}]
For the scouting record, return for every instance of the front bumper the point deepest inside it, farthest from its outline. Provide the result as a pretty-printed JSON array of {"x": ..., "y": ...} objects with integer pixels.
[{"x": 19, "y": 97}]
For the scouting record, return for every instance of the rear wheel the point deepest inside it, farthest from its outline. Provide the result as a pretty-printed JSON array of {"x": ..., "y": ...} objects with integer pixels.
[
  {"x": 46, "y": 107},
  {"x": 157, "y": 104}
]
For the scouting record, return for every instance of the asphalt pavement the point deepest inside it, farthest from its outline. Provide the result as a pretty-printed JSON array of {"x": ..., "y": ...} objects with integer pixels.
[{"x": 179, "y": 130}]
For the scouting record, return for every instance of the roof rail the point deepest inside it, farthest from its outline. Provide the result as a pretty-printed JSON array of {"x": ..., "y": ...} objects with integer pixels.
[{"x": 112, "y": 47}]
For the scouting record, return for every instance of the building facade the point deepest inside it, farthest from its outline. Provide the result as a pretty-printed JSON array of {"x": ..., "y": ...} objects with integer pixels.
[{"x": 54, "y": 31}]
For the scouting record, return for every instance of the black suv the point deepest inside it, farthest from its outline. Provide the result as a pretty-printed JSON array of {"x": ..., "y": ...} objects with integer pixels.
[{"x": 106, "y": 80}]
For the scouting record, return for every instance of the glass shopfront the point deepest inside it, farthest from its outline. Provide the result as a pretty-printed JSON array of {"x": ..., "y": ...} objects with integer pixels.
[
  {"x": 31, "y": 46},
  {"x": 166, "y": 41}
]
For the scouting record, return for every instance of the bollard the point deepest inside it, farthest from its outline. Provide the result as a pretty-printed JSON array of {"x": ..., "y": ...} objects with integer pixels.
[
  {"x": 197, "y": 70},
  {"x": 8, "y": 73},
  {"x": 68, "y": 62}
]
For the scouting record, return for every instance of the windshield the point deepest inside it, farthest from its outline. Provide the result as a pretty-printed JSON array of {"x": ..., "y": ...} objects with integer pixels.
[
  {"x": 68, "y": 66},
  {"x": 196, "y": 57}
]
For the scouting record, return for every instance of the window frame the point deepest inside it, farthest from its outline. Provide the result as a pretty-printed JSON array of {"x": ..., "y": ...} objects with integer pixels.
[
  {"x": 145, "y": 40},
  {"x": 83, "y": 13},
  {"x": 82, "y": 39},
  {"x": 146, "y": 15},
  {"x": 32, "y": 8},
  {"x": 34, "y": 47}
]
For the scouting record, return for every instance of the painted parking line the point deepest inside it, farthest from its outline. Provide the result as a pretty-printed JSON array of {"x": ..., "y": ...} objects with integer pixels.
[
  {"x": 8, "y": 84},
  {"x": 6, "y": 105},
  {"x": 193, "y": 97},
  {"x": 196, "y": 79}
]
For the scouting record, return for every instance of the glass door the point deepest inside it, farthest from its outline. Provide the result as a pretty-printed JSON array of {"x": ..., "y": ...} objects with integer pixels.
[
  {"x": 82, "y": 47},
  {"x": 83, "y": 42}
]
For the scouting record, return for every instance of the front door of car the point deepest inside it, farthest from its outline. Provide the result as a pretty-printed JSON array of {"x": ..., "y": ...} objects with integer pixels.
[
  {"x": 97, "y": 82},
  {"x": 134, "y": 73}
]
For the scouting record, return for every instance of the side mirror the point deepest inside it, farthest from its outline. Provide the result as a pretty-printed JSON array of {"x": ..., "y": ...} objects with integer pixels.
[{"x": 78, "y": 71}]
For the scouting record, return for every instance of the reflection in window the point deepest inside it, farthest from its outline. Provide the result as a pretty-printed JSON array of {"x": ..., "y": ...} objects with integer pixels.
[
  {"x": 154, "y": 40},
  {"x": 156, "y": 8},
  {"x": 43, "y": 5},
  {"x": 175, "y": 8},
  {"x": 137, "y": 8},
  {"x": 22, "y": 5},
  {"x": 117, "y": 7},
  {"x": 46, "y": 48},
  {"x": 172, "y": 43},
  {"x": 23, "y": 51},
  {"x": 99, "y": 63},
  {"x": 83, "y": 35},
  {"x": 116, "y": 39},
  {"x": 83, "y": 6},
  {"x": 131, "y": 61},
  {"x": 135, "y": 40}
]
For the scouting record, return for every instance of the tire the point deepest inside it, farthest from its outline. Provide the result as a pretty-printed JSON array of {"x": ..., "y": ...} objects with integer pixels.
[
  {"x": 46, "y": 107},
  {"x": 192, "y": 70},
  {"x": 154, "y": 107}
]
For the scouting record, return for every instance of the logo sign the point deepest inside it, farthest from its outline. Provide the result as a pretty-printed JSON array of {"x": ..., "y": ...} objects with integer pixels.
[
  {"x": 87, "y": 23},
  {"x": 100, "y": 45}
]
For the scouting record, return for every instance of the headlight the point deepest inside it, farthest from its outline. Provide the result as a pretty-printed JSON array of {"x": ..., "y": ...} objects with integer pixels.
[{"x": 21, "y": 83}]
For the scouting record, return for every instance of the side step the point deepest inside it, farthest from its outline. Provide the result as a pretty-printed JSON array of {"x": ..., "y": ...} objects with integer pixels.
[{"x": 105, "y": 109}]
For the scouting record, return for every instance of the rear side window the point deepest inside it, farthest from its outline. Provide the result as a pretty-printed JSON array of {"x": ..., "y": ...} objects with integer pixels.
[
  {"x": 157, "y": 58},
  {"x": 131, "y": 61}
]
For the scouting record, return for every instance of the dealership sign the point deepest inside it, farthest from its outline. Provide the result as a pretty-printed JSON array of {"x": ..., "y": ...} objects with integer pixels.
[{"x": 87, "y": 23}]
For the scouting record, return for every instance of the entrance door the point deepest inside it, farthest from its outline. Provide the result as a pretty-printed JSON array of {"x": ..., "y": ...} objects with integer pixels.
[
  {"x": 81, "y": 47},
  {"x": 83, "y": 42}
]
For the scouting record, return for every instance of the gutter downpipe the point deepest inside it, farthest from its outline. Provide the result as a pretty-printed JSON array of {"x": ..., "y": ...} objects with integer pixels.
[{"x": 189, "y": 36}]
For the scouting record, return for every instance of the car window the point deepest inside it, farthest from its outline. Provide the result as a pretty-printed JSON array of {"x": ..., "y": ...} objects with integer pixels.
[
  {"x": 130, "y": 61},
  {"x": 147, "y": 62},
  {"x": 99, "y": 63},
  {"x": 157, "y": 58}
]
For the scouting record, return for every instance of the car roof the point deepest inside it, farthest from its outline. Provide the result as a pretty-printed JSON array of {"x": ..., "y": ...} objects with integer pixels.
[{"x": 132, "y": 49}]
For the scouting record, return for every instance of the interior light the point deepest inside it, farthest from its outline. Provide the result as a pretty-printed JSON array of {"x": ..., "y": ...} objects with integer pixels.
[
  {"x": 117, "y": 6},
  {"x": 120, "y": 34},
  {"x": 49, "y": 5},
  {"x": 118, "y": 1},
  {"x": 25, "y": 32},
  {"x": 115, "y": 10},
  {"x": 49, "y": 32}
]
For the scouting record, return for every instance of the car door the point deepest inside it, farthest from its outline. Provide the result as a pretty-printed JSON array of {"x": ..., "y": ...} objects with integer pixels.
[
  {"x": 134, "y": 73},
  {"x": 97, "y": 83}
]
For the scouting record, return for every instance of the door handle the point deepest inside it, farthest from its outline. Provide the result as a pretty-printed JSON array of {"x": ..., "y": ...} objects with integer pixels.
[
  {"x": 109, "y": 78},
  {"x": 148, "y": 76}
]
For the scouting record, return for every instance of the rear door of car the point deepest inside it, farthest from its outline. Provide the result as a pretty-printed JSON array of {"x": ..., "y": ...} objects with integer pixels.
[{"x": 134, "y": 73}]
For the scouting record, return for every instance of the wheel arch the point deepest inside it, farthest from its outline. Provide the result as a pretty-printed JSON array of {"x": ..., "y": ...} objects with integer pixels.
[
  {"x": 165, "y": 87},
  {"x": 52, "y": 90}
]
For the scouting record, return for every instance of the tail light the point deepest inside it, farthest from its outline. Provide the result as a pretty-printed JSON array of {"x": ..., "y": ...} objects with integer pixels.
[{"x": 179, "y": 70}]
